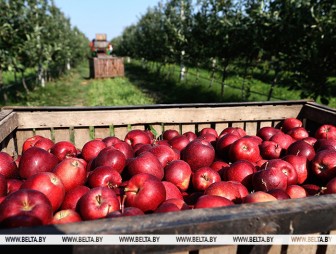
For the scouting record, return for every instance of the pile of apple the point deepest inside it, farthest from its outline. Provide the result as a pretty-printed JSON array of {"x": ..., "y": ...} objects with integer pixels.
[{"x": 57, "y": 182}]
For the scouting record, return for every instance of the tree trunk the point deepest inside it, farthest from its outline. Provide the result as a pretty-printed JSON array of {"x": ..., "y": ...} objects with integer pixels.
[
  {"x": 224, "y": 74},
  {"x": 24, "y": 82},
  {"x": 274, "y": 82}
]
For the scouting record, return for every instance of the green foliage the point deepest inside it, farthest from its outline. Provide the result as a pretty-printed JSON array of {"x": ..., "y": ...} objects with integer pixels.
[{"x": 294, "y": 40}]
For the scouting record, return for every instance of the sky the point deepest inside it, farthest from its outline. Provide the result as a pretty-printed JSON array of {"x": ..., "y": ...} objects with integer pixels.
[{"x": 109, "y": 17}]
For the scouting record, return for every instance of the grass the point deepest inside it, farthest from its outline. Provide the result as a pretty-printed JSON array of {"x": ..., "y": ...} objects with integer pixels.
[{"x": 144, "y": 84}]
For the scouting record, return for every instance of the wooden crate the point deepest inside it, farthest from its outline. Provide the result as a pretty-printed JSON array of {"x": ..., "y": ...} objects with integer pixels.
[
  {"x": 312, "y": 215},
  {"x": 105, "y": 66}
]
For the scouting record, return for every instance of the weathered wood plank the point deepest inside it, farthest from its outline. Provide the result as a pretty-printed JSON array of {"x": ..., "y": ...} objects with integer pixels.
[
  {"x": 8, "y": 123},
  {"x": 167, "y": 116}
]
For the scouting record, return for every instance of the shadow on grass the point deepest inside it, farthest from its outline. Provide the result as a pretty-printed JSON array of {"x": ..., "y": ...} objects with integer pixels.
[{"x": 170, "y": 90}]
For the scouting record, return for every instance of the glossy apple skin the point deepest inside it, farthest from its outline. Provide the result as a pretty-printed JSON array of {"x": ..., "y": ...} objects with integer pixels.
[
  {"x": 179, "y": 173},
  {"x": 323, "y": 165},
  {"x": 231, "y": 190},
  {"x": 72, "y": 196},
  {"x": 203, "y": 177},
  {"x": 259, "y": 196},
  {"x": 110, "y": 156},
  {"x": 244, "y": 148},
  {"x": 72, "y": 172},
  {"x": 300, "y": 147},
  {"x": 35, "y": 160},
  {"x": 49, "y": 184},
  {"x": 64, "y": 149},
  {"x": 198, "y": 153},
  {"x": 172, "y": 191},
  {"x": 146, "y": 162},
  {"x": 104, "y": 176},
  {"x": 134, "y": 137},
  {"x": 30, "y": 142},
  {"x": 25, "y": 208},
  {"x": 209, "y": 201},
  {"x": 300, "y": 164},
  {"x": 326, "y": 131},
  {"x": 8, "y": 167},
  {"x": 97, "y": 203},
  {"x": 66, "y": 216},
  {"x": 241, "y": 171},
  {"x": 169, "y": 134},
  {"x": 145, "y": 192},
  {"x": 268, "y": 179},
  {"x": 91, "y": 149},
  {"x": 266, "y": 132}
]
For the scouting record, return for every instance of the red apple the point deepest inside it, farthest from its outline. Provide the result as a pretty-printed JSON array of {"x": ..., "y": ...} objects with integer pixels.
[
  {"x": 322, "y": 144},
  {"x": 97, "y": 203},
  {"x": 223, "y": 145},
  {"x": 180, "y": 203},
  {"x": 190, "y": 135},
  {"x": 35, "y": 160},
  {"x": 241, "y": 171},
  {"x": 145, "y": 192},
  {"x": 164, "y": 153},
  {"x": 284, "y": 140},
  {"x": 44, "y": 143},
  {"x": 258, "y": 197},
  {"x": 127, "y": 211},
  {"x": 172, "y": 191},
  {"x": 310, "y": 140},
  {"x": 209, "y": 201},
  {"x": 112, "y": 157},
  {"x": 231, "y": 190},
  {"x": 66, "y": 216},
  {"x": 208, "y": 130},
  {"x": 279, "y": 194},
  {"x": 72, "y": 196},
  {"x": 64, "y": 149},
  {"x": 137, "y": 136},
  {"x": 323, "y": 165},
  {"x": 298, "y": 133},
  {"x": 300, "y": 147},
  {"x": 313, "y": 189},
  {"x": 169, "y": 134},
  {"x": 13, "y": 184},
  {"x": 104, "y": 176},
  {"x": 179, "y": 142},
  {"x": 72, "y": 172},
  {"x": 266, "y": 132},
  {"x": 146, "y": 162},
  {"x": 270, "y": 150},
  {"x": 233, "y": 130},
  {"x": 91, "y": 149},
  {"x": 167, "y": 207},
  {"x": 30, "y": 142},
  {"x": 244, "y": 148},
  {"x": 285, "y": 167},
  {"x": 8, "y": 167},
  {"x": 179, "y": 173},
  {"x": 290, "y": 123},
  {"x": 300, "y": 164},
  {"x": 49, "y": 184},
  {"x": 198, "y": 153},
  {"x": 125, "y": 148},
  {"x": 326, "y": 131},
  {"x": 111, "y": 140},
  {"x": 203, "y": 177},
  {"x": 296, "y": 191},
  {"x": 268, "y": 179},
  {"x": 25, "y": 208},
  {"x": 330, "y": 187}
]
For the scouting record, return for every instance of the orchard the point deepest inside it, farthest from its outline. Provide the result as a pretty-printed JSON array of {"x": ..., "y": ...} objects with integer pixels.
[{"x": 141, "y": 174}]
